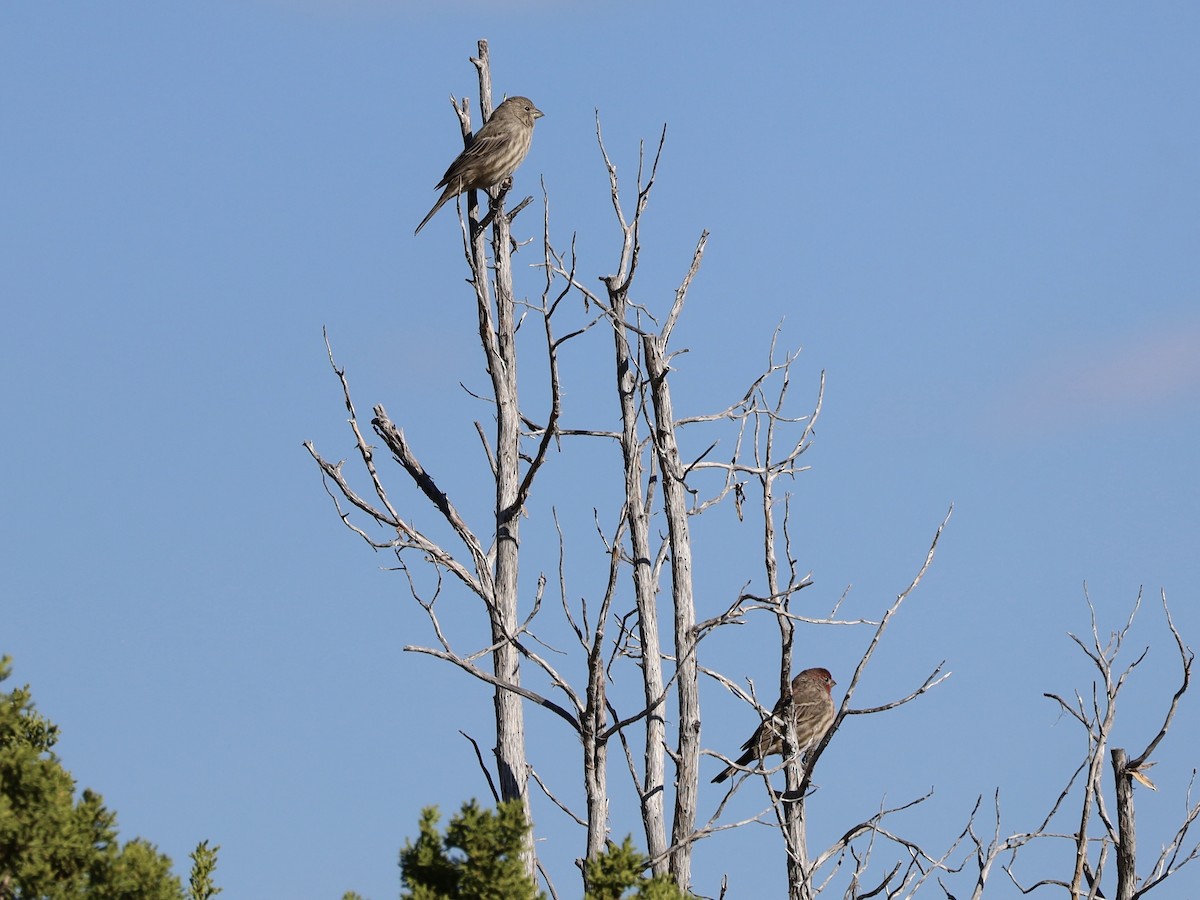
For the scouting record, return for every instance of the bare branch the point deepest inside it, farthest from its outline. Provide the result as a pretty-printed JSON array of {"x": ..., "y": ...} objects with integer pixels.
[
  {"x": 931, "y": 681},
  {"x": 394, "y": 438},
  {"x": 482, "y": 767},
  {"x": 1187, "y": 657},
  {"x": 815, "y": 754},
  {"x": 537, "y": 778},
  {"x": 491, "y": 679}
]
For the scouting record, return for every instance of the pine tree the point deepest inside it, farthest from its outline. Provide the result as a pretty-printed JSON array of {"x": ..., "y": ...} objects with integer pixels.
[
  {"x": 480, "y": 858},
  {"x": 51, "y": 845}
]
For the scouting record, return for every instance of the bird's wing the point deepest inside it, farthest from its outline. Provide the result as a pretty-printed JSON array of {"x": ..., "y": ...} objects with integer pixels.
[
  {"x": 483, "y": 144},
  {"x": 488, "y": 143},
  {"x": 773, "y": 721},
  {"x": 806, "y": 701}
]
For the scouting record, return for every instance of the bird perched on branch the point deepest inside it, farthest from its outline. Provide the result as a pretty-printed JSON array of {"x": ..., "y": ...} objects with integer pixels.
[
  {"x": 812, "y": 706},
  {"x": 493, "y": 154}
]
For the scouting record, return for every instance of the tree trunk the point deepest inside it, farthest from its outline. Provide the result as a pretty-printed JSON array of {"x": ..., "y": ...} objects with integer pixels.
[
  {"x": 1126, "y": 827},
  {"x": 651, "y": 789},
  {"x": 499, "y": 345},
  {"x": 687, "y": 758}
]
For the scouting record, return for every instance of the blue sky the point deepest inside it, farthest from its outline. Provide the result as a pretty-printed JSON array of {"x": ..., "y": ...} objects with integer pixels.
[{"x": 979, "y": 221}]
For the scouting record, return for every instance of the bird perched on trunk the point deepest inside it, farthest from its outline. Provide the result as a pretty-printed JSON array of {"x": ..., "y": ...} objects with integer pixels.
[
  {"x": 493, "y": 154},
  {"x": 812, "y": 707}
]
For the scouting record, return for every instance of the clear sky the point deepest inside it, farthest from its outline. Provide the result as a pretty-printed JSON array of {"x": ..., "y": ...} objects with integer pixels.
[{"x": 979, "y": 220}]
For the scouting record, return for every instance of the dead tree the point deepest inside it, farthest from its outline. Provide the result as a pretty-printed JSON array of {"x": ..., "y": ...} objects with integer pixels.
[
  {"x": 643, "y": 389},
  {"x": 1104, "y": 857},
  {"x": 488, "y": 564},
  {"x": 645, "y": 619},
  {"x": 754, "y": 425}
]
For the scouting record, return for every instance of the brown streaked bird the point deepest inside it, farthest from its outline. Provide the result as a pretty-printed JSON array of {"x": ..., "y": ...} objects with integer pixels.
[
  {"x": 494, "y": 153},
  {"x": 812, "y": 706}
]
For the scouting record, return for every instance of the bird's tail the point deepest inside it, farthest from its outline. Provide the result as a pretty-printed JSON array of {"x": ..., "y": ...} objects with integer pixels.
[{"x": 429, "y": 215}]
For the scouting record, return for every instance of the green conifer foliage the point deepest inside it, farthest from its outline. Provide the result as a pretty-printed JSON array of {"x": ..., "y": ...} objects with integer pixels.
[
  {"x": 52, "y": 846},
  {"x": 479, "y": 857}
]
